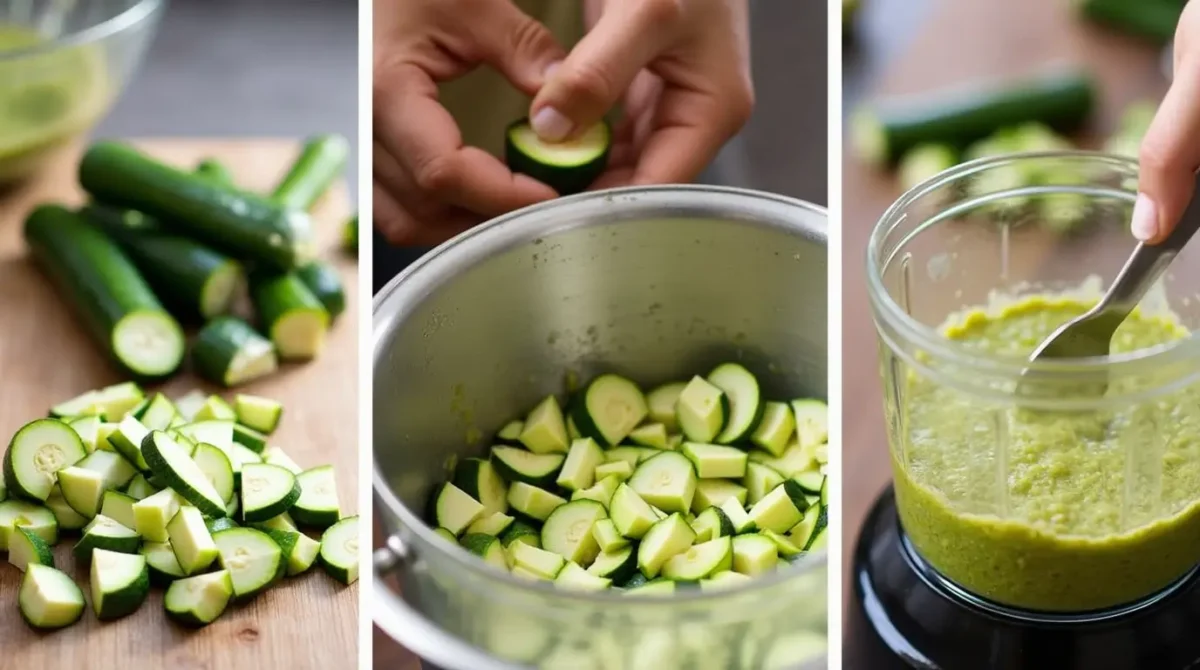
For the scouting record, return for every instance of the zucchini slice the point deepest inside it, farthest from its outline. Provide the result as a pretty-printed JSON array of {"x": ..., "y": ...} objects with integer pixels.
[
  {"x": 190, "y": 540},
  {"x": 80, "y": 405},
  {"x": 532, "y": 501},
  {"x": 229, "y": 352},
  {"x": 700, "y": 560},
  {"x": 702, "y": 410},
  {"x": 510, "y": 433},
  {"x": 291, "y": 315},
  {"x": 575, "y": 578},
  {"x": 745, "y": 401},
  {"x": 198, "y": 601},
  {"x": 714, "y": 461},
  {"x": 276, "y": 456},
  {"x": 711, "y": 524},
  {"x": 487, "y": 547},
  {"x": 544, "y": 564},
  {"x": 812, "y": 421},
  {"x": 754, "y": 554},
  {"x": 661, "y": 403},
  {"x": 567, "y": 167},
  {"x": 666, "y": 481},
  {"x": 119, "y": 400},
  {"x": 480, "y": 480},
  {"x": 454, "y": 510},
  {"x": 33, "y": 517},
  {"x": 520, "y": 531},
  {"x": 602, "y": 491},
  {"x": 105, "y": 533},
  {"x": 759, "y": 481},
  {"x": 87, "y": 427},
  {"x": 317, "y": 505},
  {"x": 252, "y": 558},
  {"x": 622, "y": 470},
  {"x": 544, "y": 431},
  {"x": 189, "y": 404},
  {"x": 776, "y": 428},
  {"x": 118, "y": 507},
  {"x": 161, "y": 563},
  {"x": 152, "y": 514},
  {"x": 27, "y": 548},
  {"x": 214, "y": 409},
  {"x": 68, "y": 518},
  {"x": 579, "y": 470},
  {"x": 35, "y": 455},
  {"x": 492, "y": 524},
  {"x": 632, "y": 515},
  {"x": 339, "y": 550},
  {"x": 49, "y": 599},
  {"x": 82, "y": 489},
  {"x": 258, "y": 413},
  {"x": 668, "y": 537},
  {"x": 127, "y": 440},
  {"x": 267, "y": 491},
  {"x": 618, "y": 565},
  {"x": 651, "y": 435},
  {"x": 518, "y": 465},
  {"x": 158, "y": 413},
  {"x": 115, "y": 471},
  {"x": 609, "y": 409},
  {"x": 608, "y": 538},
  {"x": 280, "y": 522},
  {"x": 120, "y": 583},
  {"x": 216, "y": 432},
  {"x": 140, "y": 488},
  {"x": 568, "y": 531},
  {"x": 299, "y": 550},
  {"x": 172, "y": 463},
  {"x": 777, "y": 511},
  {"x": 723, "y": 580},
  {"x": 215, "y": 465},
  {"x": 249, "y": 438},
  {"x": 714, "y": 493}
]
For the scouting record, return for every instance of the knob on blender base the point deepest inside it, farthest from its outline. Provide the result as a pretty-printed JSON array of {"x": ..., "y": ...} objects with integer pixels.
[{"x": 898, "y": 617}]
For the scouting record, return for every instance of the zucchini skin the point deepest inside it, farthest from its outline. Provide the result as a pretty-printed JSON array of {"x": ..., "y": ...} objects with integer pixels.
[
  {"x": 242, "y": 224},
  {"x": 320, "y": 163},
  {"x": 218, "y": 343},
  {"x": 277, "y": 295},
  {"x": 1153, "y": 20},
  {"x": 350, "y": 235},
  {"x": 178, "y": 267},
  {"x": 215, "y": 170},
  {"x": 95, "y": 275},
  {"x": 326, "y": 285},
  {"x": 957, "y": 117},
  {"x": 564, "y": 180}
]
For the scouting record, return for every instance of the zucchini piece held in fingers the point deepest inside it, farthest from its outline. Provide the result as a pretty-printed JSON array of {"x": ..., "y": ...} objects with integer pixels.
[{"x": 568, "y": 167}]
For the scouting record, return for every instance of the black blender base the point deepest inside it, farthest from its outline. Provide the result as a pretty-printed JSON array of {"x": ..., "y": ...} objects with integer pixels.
[{"x": 898, "y": 619}]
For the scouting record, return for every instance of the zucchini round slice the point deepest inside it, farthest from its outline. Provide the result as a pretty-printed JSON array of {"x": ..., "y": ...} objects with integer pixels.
[
  {"x": 339, "y": 550},
  {"x": 567, "y": 167},
  {"x": 700, "y": 560},
  {"x": 267, "y": 491},
  {"x": 745, "y": 401},
  {"x": 172, "y": 463},
  {"x": 198, "y": 601},
  {"x": 568, "y": 531},
  {"x": 618, "y": 565},
  {"x": 40, "y": 520},
  {"x": 35, "y": 455},
  {"x": 161, "y": 562},
  {"x": 518, "y": 465},
  {"x": 667, "y": 481},
  {"x": 609, "y": 409},
  {"x": 252, "y": 558},
  {"x": 479, "y": 479},
  {"x": 215, "y": 465},
  {"x": 317, "y": 506},
  {"x": 120, "y": 583},
  {"x": 661, "y": 404},
  {"x": 49, "y": 599}
]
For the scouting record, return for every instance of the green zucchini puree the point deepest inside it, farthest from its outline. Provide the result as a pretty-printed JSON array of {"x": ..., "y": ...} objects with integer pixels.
[
  {"x": 1051, "y": 511},
  {"x": 46, "y": 97}
]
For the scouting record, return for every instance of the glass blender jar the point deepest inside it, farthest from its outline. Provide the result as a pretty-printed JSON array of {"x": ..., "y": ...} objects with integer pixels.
[{"x": 1054, "y": 513}]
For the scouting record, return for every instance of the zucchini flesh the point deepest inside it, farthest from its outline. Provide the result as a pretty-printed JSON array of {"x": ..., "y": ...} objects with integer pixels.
[
  {"x": 339, "y": 550},
  {"x": 519, "y": 465},
  {"x": 291, "y": 315},
  {"x": 745, "y": 401},
  {"x": 64, "y": 515},
  {"x": 567, "y": 167},
  {"x": 702, "y": 409},
  {"x": 27, "y": 548},
  {"x": 318, "y": 503},
  {"x": 242, "y": 224},
  {"x": 252, "y": 558},
  {"x": 35, "y": 455},
  {"x": 115, "y": 302},
  {"x": 661, "y": 404},
  {"x": 49, "y": 599},
  {"x": 668, "y": 537},
  {"x": 480, "y": 480},
  {"x": 326, "y": 286},
  {"x": 700, "y": 560},
  {"x": 172, "y": 463},
  {"x": 200, "y": 600},
  {"x": 229, "y": 352},
  {"x": 119, "y": 582},
  {"x": 666, "y": 481},
  {"x": 276, "y": 456},
  {"x": 568, "y": 531},
  {"x": 33, "y": 517},
  {"x": 261, "y": 414},
  {"x": 105, "y": 533},
  {"x": 544, "y": 430},
  {"x": 609, "y": 409},
  {"x": 161, "y": 562},
  {"x": 194, "y": 281},
  {"x": 215, "y": 465},
  {"x": 267, "y": 491},
  {"x": 321, "y": 161},
  {"x": 190, "y": 540}
]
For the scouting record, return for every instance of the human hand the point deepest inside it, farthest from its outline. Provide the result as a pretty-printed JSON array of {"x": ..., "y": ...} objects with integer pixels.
[
  {"x": 682, "y": 69},
  {"x": 1170, "y": 152},
  {"x": 428, "y": 186}
]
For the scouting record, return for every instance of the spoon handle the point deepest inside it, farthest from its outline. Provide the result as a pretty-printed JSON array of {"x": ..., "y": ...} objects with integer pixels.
[{"x": 1147, "y": 262}]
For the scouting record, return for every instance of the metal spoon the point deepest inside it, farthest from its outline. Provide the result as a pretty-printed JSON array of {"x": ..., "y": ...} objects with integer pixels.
[{"x": 1090, "y": 334}]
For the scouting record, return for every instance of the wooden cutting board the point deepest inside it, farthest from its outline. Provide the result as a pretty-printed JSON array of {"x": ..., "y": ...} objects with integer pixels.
[
  {"x": 963, "y": 40},
  {"x": 309, "y": 621}
]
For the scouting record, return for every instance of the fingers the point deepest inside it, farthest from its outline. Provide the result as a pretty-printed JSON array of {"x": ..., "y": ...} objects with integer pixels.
[
  {"x": 687, "y": 131},
  {"x": 602, "y": 66},
  {"x": 401, "y": 228},
  {"x": 517, "y": 45},
  {"x": 1170, "y": 156}
]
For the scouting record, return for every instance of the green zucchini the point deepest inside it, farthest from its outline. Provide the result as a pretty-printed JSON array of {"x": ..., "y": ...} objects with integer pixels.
[
  {"x": 152, "y": 514},
  {"x": 105, "y": 533},
  {"x": 291, "y": 315},
  {"x": 350, "y": 235},
  {"x": 252, "y": 558},
  {"x": 215, "y": 170},
  {"x": 299, "y": 550},
  {"x": 261, "y": 414},
  {"x": 568, "y": 530},
  {"x": 317, "y": 506},
  {"x": 158, "y": 413},
  {"x": 229, "y": 352},
  {"x": 956, "y": 117},
  {"x": 119, "y": 582},
  {"x": 198, "y": 601},
  {"x": 567, "y": 167},
  {"x": 190, "y": 540},
  {"x": 1153, "y": 20},
  {"x": 276, "y": 456},
  {"x": 65, "y": 516},
  {"x": 116, "y": 304},
  {"x": 49, "y": 599},
  {"x": 242, "y": 224},
  {"x": 339, "y": 550},
  {"x": 666, "y": 481},
  {"x": 33, "y": 517},
  {"x": 193, "y": 280},
  {"x": 119, "y": 507},
  {"x": 215, "y": 465},
  {"x": 28, "y": 548},
  {"x": 320, "y": 163},
  {"x": 161, "y": 563},
  {"x": 249, "y": 438},
  {"x": 35, "y": 455},
  {"x": 479, "y": 479},
  {"x": 169, "y": 461},
  {"x": 267, "y": 491},
  {"x": 214, "y": 409},
  {"x": 924, "y": 162},
  {"x": 323, "y": 280},
  {"x": 518, "y": 465}
]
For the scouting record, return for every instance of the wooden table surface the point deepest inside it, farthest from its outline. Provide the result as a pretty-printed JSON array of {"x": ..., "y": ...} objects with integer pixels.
[
  {"x": 306, "y": 622},
  {"x": 963, "y": 40}
]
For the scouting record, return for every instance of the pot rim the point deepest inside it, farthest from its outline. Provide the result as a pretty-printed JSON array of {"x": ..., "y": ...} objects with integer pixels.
[{"x": 406, "y": 289}]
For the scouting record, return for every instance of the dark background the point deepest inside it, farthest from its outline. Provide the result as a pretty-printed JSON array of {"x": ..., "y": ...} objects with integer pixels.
[
  {"x": 784, "y": 147},
  {"x": 246, "y": 68}
]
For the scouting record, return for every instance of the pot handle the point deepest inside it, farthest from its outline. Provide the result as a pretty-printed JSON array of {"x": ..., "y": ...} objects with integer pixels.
[{"x": 406, "y": 625}]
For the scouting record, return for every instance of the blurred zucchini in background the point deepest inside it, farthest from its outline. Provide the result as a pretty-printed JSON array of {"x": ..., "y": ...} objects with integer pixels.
[
  {"x": 1059, "y": 98},
  {"x": 193, "y": 280},
  {"x": 215, "y": 170},
  {"x": 242, "y": 224},
  {"x": 350, "y": 235},
  {"x": 925, "y": 161},
  {"x": 116, "y": 304},
  {"x": 1153, "y": 20},
  {"x": 1134, "y": 123},
  {"x": 326, "y": 285},
  {"x": 320, "y": 163},
  {"x": 291, "y": 315}
]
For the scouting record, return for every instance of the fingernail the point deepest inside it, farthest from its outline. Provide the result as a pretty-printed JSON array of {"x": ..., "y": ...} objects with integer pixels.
[
  {"x": 1145, "y": 218},
  {"x": 551, "y": 125}
]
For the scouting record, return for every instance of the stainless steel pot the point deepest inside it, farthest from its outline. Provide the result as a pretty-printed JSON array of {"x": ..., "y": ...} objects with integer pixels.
[{"x": 654, "y": 283}]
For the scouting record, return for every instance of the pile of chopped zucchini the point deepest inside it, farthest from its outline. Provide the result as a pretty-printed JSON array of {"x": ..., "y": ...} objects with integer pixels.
[
  {"x": 159, "y": 247},
  {"x": 700, "y": 482},
  {"x": 184, "y": 494}
]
